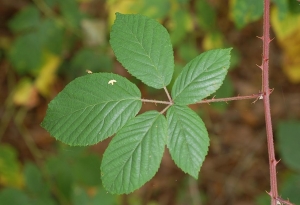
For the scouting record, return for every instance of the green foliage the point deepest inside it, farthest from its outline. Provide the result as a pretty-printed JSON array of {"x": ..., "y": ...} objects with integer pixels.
[
  {"x": 288, "y": 146},
  {"x": 134, "y": 155},
  {"x": 201, "y": 77},
  {"x": 294, "y": 6},
  {"x": 155, "y": 8},
  {"x": 188, "y": 139},
  {"x": 64, "y": 184},
  {"x": 70, "y": 11},
  {"x": 67, "y": 168},
  {"x": 180, "y": 27},
  {"x": 81, "y": 196},
  {"x": 188, "y": 51},
  {"x": 144, "y": 48},
  {"x": 28, "y": 18},
  {"x": 283, "y": 8},
  {"x": 22, "y": 60},
  {"x": 94, "y": 107},
  {"x": 263, "y": 199},
  {"x": 52, "y": 36},
  {"x": 288, "y": 143},
  {"x": 91, "y": 60},
  {"x": 54, "y": 30},
  {"x": 9, "y": 167},
  {"x": 290, "y": 188},
  {"x": 40, "y": 35},
  {"x": 245, "y": 12},
  {"x": 34, "y": 181},
  {"x": 90, "y": 109},
  {"x": 206, "y": 15},
  {"x": 14, "y": 196}
]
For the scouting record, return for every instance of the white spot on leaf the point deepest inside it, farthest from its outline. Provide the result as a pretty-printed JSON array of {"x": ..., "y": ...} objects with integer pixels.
[{"x": 112, "y": 82}]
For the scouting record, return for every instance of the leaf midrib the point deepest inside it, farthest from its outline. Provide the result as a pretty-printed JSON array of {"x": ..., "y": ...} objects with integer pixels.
[
  {"x": 138, "y": 144},
  {"x": 93, "y": 105},
  {"x": 146, "y": 54},
  {"x": 196, "y": 76}
]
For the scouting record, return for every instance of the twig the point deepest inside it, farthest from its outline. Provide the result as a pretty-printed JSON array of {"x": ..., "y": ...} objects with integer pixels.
[
  {"x": 254, "y": 96},
  {"x": 164, "y": 110},
  {"x": 245, "y": 97},
  {"x": 157, "y": 101},
  {"x": 168, "y": 94}
]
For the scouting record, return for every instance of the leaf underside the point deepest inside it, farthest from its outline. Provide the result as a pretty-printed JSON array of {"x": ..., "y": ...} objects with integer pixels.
[
  {"x": 201, "y": 77},
  {"x": 187, "y": 139},
  {"x": 134, "y": 154},
  {"x": 89, "y": 109},
  {"x": 143, "y": 47}
]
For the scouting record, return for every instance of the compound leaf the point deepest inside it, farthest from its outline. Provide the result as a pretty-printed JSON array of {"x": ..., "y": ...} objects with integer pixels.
[
  {"x": 134, "y": 154},
  {"x": 92, "y": 108},
  {"x": 201, "y": 77},
  {"x": 144, "y": 48},
  {"x": 188, "y": 139}
]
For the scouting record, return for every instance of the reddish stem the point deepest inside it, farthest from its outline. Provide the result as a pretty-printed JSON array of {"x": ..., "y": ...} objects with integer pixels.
[
  {"x": 266, "y": 90},
  {"x": 253, "y": 96}
]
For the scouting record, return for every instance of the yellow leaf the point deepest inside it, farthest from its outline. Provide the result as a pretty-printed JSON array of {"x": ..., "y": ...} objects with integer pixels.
[
  {"x": 47, "y": 75},
  {"x": 293, "y": 73},
  {"x": 153, "y": 9},
  {"x": 121, "y": 6},
  {"x": 25, "y": 94},
  {"x": 285, "y": 27},
  {"x": 287, "y": 33}
]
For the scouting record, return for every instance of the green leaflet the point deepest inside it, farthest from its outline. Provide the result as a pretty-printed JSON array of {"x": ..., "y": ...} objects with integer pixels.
[
  {"x": 91, "y": 109},
  {"x": 134, "y": 154},
  {"x": 201, "y": 77},
  {"x": 143, "y": 47},
  {"x": 187, "y": 139}
]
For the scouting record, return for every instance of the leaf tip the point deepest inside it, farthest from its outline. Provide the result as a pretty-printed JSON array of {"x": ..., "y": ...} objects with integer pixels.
[{"x": 195, "y": 176}]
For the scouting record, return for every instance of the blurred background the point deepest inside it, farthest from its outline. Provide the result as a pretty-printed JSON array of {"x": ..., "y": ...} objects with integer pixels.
[{"x": 45, "y": 44}]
